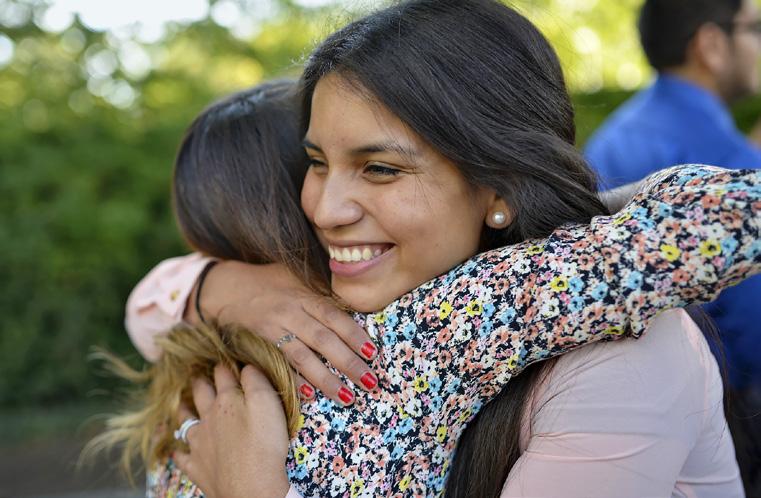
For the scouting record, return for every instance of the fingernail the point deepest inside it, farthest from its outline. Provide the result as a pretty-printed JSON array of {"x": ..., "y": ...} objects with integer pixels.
[
  {"x": 368, "y": 350},
  {"x": 345, "y": 395},
  {"x": 306, "y": 391},
  {"x": 369, "y": 380}
]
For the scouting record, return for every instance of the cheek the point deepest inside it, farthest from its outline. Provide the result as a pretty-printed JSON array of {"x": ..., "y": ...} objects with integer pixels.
[{"x": 440, "y": 229}]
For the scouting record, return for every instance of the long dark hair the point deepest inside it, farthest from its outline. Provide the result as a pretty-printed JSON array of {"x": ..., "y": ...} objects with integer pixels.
[
  {"x": 482, "y": 86},
  {"x": 237, "y": 179}
]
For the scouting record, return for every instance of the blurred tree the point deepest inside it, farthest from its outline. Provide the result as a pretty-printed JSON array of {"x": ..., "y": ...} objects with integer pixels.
[{"x": 89, "y": 122}]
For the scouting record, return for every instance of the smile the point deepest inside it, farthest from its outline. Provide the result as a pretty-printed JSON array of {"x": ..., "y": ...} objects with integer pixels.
[
  {"x": 355, "y": 260},
  {"x": 357, "y": 254}
]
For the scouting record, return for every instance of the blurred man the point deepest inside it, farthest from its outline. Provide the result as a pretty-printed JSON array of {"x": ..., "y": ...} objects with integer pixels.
[{"x": 706, "y": 53}]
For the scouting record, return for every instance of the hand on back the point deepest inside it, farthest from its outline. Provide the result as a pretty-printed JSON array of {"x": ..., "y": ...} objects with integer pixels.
[
  {"x": 242, "y": 426},
  {"x": 270, "y": 301}
]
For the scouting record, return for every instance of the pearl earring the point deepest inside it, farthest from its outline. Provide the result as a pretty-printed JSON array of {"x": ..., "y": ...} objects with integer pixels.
[{"x": 498, "y": 218}]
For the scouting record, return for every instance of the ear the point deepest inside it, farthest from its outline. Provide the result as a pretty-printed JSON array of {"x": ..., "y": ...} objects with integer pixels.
[
  {"x": 498, "y": 213},
  {"x": 710, "y": 48}
]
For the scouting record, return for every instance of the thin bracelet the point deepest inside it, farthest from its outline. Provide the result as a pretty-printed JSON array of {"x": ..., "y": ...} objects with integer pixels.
[{"x": 201, "y": 279}]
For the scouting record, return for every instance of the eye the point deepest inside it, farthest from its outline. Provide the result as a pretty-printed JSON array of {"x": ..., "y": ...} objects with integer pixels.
[
  {"x": 317, "y": 164},
  {"x": 381, "y": 170}
]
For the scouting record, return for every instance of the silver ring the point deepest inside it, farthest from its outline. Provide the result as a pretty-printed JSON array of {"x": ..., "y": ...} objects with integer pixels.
[
  {"x": 285, "y": 340},
  {"x": 181, "y": 434}
]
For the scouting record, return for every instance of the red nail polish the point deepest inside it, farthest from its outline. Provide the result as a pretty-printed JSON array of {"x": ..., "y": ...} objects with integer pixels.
[
  {"x": 368, "y": 350},
  {"x": 306, "y": 391},
  {"x": 345, "y": 395},
  {"x": 369, "y": 380}
]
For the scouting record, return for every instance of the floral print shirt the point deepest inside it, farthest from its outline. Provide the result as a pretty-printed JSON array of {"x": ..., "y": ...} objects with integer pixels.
[{"x": 452, "y": 344}]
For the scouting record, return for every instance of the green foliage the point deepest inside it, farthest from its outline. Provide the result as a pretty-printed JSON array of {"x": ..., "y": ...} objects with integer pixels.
[
  {"x": 85, "y": 210},
  {"x": 85, "y": 185}
]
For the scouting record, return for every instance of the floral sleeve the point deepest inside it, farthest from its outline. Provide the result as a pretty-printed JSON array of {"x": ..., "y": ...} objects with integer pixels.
[
  {"x": 693, "y": 231},
  {"x": 166, "y": 480}
]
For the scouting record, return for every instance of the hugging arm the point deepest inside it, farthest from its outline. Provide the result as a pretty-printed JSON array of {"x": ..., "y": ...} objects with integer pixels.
[
  {"x": 615, "y": 199},
  {"x": 263, "y": 298},
  {"x": 691, "y": 232}
]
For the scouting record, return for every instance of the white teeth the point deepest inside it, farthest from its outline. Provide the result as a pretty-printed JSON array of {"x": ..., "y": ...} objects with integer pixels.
[{"x": 354, "y": 254}]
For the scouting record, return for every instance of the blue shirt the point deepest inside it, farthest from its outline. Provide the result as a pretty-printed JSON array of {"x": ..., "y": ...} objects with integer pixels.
[{"x": 677, "y": 122}]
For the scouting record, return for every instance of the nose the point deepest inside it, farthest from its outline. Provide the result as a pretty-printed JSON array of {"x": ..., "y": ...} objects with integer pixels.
[{"x": 336, "y": 204}]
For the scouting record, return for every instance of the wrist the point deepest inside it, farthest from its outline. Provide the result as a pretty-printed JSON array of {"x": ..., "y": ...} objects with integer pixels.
[
  {"x": 228, "y": 284},
  {"x": 199, "y": 290}
]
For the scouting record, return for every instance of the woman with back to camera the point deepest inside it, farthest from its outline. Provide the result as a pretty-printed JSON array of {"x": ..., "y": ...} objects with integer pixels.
[{"x": 359, "y": 114}]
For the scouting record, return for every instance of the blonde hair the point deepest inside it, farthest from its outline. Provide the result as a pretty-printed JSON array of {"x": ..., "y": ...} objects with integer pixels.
[{"x": 188, "y": 352}]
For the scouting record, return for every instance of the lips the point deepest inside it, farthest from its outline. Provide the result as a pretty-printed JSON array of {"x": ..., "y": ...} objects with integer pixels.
[{"x": 353, "y": 260}]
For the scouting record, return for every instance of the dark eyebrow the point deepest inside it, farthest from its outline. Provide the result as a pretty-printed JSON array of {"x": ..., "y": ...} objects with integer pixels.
[
  {"x": 409, "y": 152},
  {"x": 309, "y": 145},
  {"x": 391, "y": 146}
]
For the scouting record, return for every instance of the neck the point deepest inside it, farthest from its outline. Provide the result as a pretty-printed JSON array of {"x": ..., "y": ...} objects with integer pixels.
[{"x": 697, "y": 77}]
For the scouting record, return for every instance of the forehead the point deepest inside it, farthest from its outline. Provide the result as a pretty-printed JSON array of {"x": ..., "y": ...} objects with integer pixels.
[{"x": 344, "y": 114}]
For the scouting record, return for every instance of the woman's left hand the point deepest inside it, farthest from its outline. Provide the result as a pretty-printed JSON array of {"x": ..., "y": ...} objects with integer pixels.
[{"x": 240, "y": 446}]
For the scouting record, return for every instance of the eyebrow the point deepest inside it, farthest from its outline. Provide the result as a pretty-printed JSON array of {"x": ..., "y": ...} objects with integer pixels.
[{"x": 390, "y": 146}]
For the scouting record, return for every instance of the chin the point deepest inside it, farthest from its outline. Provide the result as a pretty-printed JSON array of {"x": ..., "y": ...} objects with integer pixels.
[{"x": 363, "y": 300}]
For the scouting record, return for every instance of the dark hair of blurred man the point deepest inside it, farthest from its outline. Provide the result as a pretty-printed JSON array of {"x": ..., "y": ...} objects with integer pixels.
[
  {"x": 713, "y": 43},
  {"x": 706, "y": 53}
]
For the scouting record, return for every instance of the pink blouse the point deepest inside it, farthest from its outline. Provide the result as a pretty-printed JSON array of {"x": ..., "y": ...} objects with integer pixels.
[
  {"x": 628, "y": 418},
  {"x": 631, "y": 419}
]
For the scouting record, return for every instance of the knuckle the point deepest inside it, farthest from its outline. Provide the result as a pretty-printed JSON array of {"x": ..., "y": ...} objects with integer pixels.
[
  {"x": 226, "y": 400},
  {"x": 310, "y": 306},
  {"x": 322, "y": 309},
  {"x": 332, "y": 314},
  {"x": 355, "y": 366},
  {"x": 299, "y": 355},
  {"x": 329, "y": 384},
  {"x": 322, "y": 336}
]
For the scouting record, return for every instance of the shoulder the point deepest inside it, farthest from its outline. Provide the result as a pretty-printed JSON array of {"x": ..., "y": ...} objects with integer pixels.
[
  {"x": 670, "y": 370},
  {"x": 632, "y": 418},
  {"x": 741, "y": 153}
]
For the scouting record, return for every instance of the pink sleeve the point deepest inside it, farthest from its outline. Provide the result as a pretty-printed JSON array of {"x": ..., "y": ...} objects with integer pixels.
[
  {"x": 630, "y": 419},
  {"x": 158, "y": 301},
  {"x": 292, "y": 493}
]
